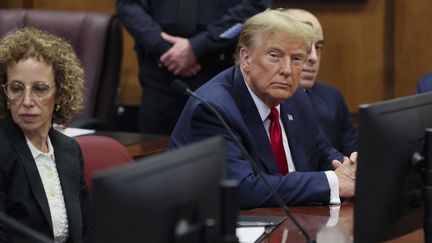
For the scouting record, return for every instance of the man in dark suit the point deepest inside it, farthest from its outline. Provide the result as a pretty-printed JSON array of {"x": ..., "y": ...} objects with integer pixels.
[
  {"x": 270, "y": 54},
  {"x": 190, "y": 40},
  {"x": 424, "y": 84},
  {"x": 329, "y": 104}
]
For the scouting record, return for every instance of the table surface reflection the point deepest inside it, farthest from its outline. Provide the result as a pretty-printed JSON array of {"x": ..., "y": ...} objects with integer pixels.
[{"x": 326, "y": 223}]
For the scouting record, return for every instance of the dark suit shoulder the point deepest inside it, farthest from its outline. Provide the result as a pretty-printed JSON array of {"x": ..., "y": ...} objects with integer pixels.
[
  {"x": 219, "y": 88},
  {"x": 322, "y": 88}
]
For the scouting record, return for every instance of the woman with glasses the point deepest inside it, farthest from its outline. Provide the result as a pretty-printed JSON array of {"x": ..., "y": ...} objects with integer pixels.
[{"x": 41, "y": 170}]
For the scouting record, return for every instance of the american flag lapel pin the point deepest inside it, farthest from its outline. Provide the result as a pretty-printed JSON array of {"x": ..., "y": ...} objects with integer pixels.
[{"x": 290, "y": 118}]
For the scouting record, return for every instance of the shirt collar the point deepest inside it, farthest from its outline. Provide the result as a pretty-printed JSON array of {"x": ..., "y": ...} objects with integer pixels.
[
  {"x": 36, "y": 152},
  {"x": 263, "y": 109}
]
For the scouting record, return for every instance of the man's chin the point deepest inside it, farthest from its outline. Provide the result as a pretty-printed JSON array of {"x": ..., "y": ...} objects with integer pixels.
[{"x": 307, "y": 83}]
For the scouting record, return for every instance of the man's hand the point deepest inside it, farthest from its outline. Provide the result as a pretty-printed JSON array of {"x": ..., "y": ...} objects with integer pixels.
[
  {"x": 180, "y": 58},
  {"x": 346, "y": 173}
]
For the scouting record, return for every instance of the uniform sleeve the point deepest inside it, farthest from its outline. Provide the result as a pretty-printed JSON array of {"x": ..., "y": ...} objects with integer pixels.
[
  {"x": 223, "y": 32},
  {"x": 134, "y": 16},
  {"x": 424, "y": 84}
]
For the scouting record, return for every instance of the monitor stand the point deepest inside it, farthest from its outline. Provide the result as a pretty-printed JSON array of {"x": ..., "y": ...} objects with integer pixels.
[
  {"x": 230, "y": 191},
  {"x": 208, "y": 231}
]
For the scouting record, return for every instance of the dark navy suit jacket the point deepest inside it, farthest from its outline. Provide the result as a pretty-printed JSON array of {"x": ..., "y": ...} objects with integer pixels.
[
  {"x": 334, "y": 117},
  {"x": 311, "y": 152},
  {"x": 424, "y": 84}
]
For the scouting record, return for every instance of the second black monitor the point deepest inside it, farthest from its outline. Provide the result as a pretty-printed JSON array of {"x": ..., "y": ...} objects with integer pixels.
[{"x": 388, "y": 201}]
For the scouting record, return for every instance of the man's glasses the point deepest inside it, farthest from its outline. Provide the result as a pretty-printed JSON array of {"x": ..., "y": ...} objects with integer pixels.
[{"x": 16, "y": 90}]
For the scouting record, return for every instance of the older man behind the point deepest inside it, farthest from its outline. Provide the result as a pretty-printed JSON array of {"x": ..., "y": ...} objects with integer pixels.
[
  {"x": 329, "y": 104},
  {"x": 270, "y": 55}
]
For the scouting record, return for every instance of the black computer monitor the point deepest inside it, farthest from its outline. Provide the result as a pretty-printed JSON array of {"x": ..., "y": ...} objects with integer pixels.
[
  {"x": 170, "y": 197},
  {"x": 388, "y": 201}
]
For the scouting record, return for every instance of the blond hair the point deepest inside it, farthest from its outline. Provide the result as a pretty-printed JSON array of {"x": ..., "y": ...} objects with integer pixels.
[{"x": 273, "y": 22}]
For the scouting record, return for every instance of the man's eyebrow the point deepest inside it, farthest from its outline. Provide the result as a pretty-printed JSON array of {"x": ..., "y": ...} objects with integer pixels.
[
  {"x": 307, "y": 22},
  {"x": 273, "y": 47},
  {"x": 321, "y": 42}
]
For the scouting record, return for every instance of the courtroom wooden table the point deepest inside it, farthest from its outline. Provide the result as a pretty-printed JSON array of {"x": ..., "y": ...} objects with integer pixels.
[
  {"x": 320, "y": 226},
  {"x": 138, "y": 144},
  {"x": 316, "y": 220}
]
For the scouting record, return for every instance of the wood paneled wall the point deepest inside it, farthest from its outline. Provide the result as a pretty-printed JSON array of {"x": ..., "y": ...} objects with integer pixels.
[
  {"x": 412, "y": 43},
  {"x": 374, "y": 49},
  {"x": 353, "y": 55}
]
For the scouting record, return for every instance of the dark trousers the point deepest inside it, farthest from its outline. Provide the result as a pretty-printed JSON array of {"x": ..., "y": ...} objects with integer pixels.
[{"x": 159, "y": 110}]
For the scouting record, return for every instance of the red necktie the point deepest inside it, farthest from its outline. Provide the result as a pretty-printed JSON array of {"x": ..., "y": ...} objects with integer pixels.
[{"x": 276, "y": 141}]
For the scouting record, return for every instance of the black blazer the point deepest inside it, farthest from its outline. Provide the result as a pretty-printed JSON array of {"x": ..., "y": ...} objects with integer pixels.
[{"x": 22, "y": 195}]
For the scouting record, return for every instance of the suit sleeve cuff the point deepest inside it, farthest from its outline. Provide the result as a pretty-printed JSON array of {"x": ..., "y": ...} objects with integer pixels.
[{"x": 334, "y": 187}]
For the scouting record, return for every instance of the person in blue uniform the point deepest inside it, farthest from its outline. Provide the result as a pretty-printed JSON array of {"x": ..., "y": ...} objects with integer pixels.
[
  {"x": 259, "y": 100},
  {"x": 190, "y": 40},
  {"x": 424, "y": 84},
  {"x": 329, "y": 104}
]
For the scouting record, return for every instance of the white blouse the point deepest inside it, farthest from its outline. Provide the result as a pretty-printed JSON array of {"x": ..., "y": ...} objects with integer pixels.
[{"x": 46, "y": 166}]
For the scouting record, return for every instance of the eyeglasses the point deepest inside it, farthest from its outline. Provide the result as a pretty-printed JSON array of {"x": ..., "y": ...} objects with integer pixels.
[{"x": 16, "y": 90}]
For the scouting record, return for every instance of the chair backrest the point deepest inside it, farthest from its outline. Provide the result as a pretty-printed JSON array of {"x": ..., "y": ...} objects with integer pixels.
[
  {"x": 97, "y": 39},
  {"x": 101, "y": 153}
]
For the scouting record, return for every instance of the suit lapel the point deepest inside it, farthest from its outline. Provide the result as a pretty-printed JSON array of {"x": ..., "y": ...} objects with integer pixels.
[
  {"x": 293, "y": 118},
  {"x": 290, "y": 123},
  {"x": 254, "y": 124},
  {"x": 68, "y": 170},
  {"x": 30, "y": 167}
]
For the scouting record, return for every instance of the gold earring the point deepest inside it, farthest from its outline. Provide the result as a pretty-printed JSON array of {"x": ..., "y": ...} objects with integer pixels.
[
  {"x": 57, "y": 108},
  {"x": 7, "y": 104}
]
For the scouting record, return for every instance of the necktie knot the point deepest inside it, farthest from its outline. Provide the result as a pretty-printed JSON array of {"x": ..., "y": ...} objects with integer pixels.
[{"x": 274, "y": 114}]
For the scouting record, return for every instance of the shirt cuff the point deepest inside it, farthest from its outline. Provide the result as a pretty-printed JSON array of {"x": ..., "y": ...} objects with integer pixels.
[
  {"x": 334, "y": 216},
  {"x": 334, "y": 187}
]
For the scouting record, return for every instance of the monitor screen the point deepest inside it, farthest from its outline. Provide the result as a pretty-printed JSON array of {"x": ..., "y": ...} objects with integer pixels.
[
  {"x": 388, "y": 201},
  {"x": 170, "y": 197}
]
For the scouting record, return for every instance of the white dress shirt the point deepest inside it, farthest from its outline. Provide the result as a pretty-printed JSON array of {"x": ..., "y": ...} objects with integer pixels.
[
  {"x": 46, "y": 166},
  {"x": 264, "y": 112}
]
